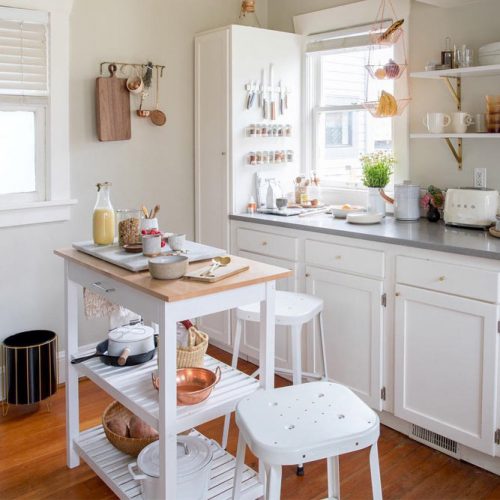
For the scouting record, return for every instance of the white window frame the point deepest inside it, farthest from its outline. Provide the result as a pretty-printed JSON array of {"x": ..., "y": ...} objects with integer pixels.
[{"x": 54, "y": 201}]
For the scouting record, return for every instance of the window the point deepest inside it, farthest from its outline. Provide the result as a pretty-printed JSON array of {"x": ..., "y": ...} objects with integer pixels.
[
  {"x": 23, "y": 105},
  {"x": 341, "y": 128}
]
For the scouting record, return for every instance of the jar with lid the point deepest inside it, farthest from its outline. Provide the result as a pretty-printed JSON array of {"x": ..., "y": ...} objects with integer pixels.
[
  {"x": 103, "y": 218},
  {"x": 128, "y": 221}
]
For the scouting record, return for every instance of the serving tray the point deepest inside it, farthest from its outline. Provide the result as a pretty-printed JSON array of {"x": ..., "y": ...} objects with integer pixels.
[{"x": 138, "y": 262}]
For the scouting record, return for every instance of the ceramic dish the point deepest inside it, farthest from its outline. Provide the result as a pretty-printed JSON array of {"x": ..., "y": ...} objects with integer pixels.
[
  {"x": 133, "y": 248},
  {"x": 169, "y": 267},
  {"x": 341, "y": 211},
  {"x": 363, "y": 218}
]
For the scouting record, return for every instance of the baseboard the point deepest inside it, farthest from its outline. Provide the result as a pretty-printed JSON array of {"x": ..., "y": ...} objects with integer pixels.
[
  {"x": 474, "y": 457},
  {"x": 61, "y": 368}
]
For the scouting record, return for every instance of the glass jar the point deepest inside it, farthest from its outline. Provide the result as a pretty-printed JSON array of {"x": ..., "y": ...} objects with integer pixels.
[
  {"x": 128, "y": 221},
  {"x": 103, "y": 218}
]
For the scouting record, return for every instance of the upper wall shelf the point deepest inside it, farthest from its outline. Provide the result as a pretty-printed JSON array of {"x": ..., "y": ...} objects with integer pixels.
[{"x": 474, "y": 71}]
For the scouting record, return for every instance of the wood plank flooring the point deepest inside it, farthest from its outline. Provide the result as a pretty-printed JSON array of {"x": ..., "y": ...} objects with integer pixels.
[{"x": 33, "y": 460}]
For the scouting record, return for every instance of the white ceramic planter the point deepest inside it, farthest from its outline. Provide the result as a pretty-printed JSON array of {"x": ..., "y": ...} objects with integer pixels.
[{"x": 375, "y": 203}]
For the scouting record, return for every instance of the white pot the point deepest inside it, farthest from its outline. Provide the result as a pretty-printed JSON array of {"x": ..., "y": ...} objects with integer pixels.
[
  {"x": 130, "y": 340},
  {"x": 375, "y": 204},
  {"x": 194, "y": 459}
]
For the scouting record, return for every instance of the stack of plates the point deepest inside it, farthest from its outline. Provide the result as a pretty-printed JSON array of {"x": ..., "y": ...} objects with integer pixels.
[
  {"x": 489, "y": 54},
  {"x": 364, "y": 218}
]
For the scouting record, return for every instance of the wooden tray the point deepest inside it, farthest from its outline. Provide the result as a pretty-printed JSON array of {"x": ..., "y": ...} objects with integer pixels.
[{"x": 219, "y": 274}]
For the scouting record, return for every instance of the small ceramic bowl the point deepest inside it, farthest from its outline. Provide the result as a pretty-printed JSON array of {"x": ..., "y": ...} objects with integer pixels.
[{"x": 170, "y": 267}]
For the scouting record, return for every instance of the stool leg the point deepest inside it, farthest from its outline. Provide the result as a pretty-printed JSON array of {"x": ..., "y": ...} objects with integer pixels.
[
  {"x": 332, "y": 464},
  {"x": 297, "y": 354},
  {"x": 322, "y": 344},
  {"x": 375, "y": 473},
  {"x": 234, "y": 364},
  {"x": 273, "y": 482},
  {"x": 240, "y": 462}
]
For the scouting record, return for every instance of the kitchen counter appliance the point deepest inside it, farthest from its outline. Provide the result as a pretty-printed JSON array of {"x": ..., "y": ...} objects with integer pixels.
[{"x": 471, "y": 207}]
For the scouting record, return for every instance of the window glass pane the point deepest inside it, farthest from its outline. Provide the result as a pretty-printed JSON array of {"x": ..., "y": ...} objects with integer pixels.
[
  {"x": 17, "y": 152},
  {"x": 342, "y": 136}
]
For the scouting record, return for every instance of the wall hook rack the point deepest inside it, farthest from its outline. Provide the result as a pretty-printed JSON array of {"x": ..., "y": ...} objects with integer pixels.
[{"x": 122, "y": 67}]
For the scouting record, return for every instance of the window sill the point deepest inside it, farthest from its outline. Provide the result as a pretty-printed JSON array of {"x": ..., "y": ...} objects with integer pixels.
[{"x": 39, "y": 212}]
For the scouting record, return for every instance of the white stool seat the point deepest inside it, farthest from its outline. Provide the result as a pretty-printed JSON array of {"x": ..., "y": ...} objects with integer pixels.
[
  {"x": 302, "y": 423},
  {"x": 306, "y": 422},
  {"x": 290, "y": 309}
]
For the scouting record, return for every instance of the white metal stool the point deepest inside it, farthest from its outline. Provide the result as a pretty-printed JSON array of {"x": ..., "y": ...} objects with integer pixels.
[
  {"x": 293, "y": 310},
  {"x": 302, "y": 423}
]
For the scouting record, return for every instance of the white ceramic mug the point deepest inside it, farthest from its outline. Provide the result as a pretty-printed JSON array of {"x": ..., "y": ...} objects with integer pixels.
[
  {"x": 460, "y": 122},
  {"x": 151, "y": 245},
  {"x": 177, "y": 242},
  {"x": 436, "y": 122}
]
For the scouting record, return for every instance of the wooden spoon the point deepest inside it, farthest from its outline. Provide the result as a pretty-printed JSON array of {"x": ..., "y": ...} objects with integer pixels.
[{"x": 157, "y": 116}]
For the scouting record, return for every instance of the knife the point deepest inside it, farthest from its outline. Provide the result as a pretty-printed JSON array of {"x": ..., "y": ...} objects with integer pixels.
[
  {"x": 271, "y": 92},
  {"x": 282, "y": 102},
  {"x": 261, "y": 89}
]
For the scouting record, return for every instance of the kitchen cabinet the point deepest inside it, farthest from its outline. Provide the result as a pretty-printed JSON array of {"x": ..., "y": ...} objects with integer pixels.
[
  {"x": 446, "y": 365},
  {"x": 353, "y": 318}
]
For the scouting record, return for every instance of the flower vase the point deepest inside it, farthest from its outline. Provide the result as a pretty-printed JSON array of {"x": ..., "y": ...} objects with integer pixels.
[
  {"x": 375, "y": 204},
  {"x": 433, "y": 214}
]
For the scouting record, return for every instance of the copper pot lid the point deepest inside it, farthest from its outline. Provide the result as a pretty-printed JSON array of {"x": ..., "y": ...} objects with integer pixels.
[
  {"x": 131, "y": 333},
  {"x": 193, "y": 455}
]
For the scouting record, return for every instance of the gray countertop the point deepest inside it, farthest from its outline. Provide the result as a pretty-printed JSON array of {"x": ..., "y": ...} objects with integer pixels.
[{"x": 419, "y": 234}]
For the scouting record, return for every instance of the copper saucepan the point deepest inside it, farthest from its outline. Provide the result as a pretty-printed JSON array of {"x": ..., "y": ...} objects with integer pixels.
[{"x": 194, "y": 385}]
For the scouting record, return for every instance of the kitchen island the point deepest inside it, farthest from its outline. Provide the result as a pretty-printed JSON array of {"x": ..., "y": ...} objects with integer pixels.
[
  {"x": 162, "y": 303},
  {"x": 411, "y": 314}
]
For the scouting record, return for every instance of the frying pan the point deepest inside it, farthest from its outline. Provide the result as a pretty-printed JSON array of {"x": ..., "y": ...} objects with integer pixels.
[{"x": 102, "y": 349}]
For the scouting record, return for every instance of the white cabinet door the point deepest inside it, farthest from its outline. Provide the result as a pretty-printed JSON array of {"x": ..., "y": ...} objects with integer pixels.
[
  {"x": 250, "y": 338},
  {"x": 353, "y": 319},
  {"x": 445, "y": 365},
  {"x": 212, "y": 138}
]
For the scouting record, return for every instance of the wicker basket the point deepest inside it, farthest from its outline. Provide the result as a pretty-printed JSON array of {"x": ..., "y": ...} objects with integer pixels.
[
  {"x": 193, "y": 354},
  {"x": 131, "y": 446}
]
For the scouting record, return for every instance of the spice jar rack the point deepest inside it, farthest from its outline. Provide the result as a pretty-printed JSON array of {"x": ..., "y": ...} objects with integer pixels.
[
  {"x": 274, "y": 157},
  {"x": 269, "y": 130}
]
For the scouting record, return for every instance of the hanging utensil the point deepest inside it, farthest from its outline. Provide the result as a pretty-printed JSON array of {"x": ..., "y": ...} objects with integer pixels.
[
  {"x": 157, "y": 116},
  {"x": 143, "y": 113},
  {"x": 271, "y": 92}
]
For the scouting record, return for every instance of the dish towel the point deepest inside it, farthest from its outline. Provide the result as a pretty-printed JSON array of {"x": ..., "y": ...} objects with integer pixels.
[{"x": 96, "y": 306}]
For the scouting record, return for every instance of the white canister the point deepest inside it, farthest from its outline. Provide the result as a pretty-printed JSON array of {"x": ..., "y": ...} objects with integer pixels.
[
  {"x": 147, "y": 224},
  {"x": 194, "y": 458},
  {"x": 406, "y": 201}
]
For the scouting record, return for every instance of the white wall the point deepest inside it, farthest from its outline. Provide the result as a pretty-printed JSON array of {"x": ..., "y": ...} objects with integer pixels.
[
  {"x": 155, "y": 166},
  {"x": 430, "y": 161}
]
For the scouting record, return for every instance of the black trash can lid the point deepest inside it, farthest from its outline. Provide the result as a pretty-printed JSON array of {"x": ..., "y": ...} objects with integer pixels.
[{"x": 31, "y": 338}]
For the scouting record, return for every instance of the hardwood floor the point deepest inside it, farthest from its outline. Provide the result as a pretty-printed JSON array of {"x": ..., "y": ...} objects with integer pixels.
[{"x": 33, "y": 460}]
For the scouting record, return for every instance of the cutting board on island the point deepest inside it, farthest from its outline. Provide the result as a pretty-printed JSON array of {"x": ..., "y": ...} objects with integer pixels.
[
  {"x": 217, "y": 275},
  {"x": 112, "y": 107}
]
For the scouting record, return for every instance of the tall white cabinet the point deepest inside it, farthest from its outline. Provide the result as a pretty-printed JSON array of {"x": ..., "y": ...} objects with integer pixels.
[{"x": 226, "y": 60}]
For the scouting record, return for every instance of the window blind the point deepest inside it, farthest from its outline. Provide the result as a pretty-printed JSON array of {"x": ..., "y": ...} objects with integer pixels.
[{"x": 23, "y": 57}]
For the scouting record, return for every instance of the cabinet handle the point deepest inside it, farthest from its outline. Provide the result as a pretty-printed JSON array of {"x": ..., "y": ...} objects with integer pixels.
[
  {"x": 338, "y": 257},
  {"x": 441, "y": 278},
  {"x": 264, "y": 243},
  {"x": 307, "y": 275},
  {"x": 98, "y": 285},
  {"x": 397, "y": 294}
]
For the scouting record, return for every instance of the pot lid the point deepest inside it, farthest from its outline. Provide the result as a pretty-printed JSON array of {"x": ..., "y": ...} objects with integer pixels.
[
  {"x": 193, "y": 455},
  {"x": 131, "y": 333}
]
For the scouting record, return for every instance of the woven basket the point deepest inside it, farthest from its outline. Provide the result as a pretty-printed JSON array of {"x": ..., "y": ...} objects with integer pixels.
[
  {"x": 193, "y": 354},
  {"x": 131, "y": 446}
]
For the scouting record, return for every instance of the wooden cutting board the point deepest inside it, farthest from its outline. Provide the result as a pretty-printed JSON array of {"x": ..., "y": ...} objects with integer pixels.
[
  {"x": 219, "y": 274},
  {"x": 112, "y": 108}
]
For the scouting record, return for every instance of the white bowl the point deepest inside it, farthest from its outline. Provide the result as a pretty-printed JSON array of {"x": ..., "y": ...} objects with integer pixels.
[
  {"x": 170, "y": 267},
  {"x": 341, "y": 213},
  {"x": 365, "y": 218}
]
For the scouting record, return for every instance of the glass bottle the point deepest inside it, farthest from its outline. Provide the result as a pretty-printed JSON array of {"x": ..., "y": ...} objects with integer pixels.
[{"x": 103, "y": 218}]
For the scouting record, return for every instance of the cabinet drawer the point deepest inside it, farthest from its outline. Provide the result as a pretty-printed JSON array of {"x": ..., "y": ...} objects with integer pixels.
[
  {"x": 345, "y": 258},
  {"x": 454, "y": 279},
  {"x": 274, "y": 245}
]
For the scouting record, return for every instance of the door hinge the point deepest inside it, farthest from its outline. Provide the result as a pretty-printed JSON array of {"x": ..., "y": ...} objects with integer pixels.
[
  {"x": 498, "y": 327},
  {"x": 382, "y": 394},
  {"x": 497, "y": 436},
  {"x": 384, "y": 300}
]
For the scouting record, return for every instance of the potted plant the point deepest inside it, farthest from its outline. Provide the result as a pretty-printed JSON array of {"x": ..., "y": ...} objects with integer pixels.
[
  {"x": 377, "y": 171},
  {"x": 433, "y": 201}
]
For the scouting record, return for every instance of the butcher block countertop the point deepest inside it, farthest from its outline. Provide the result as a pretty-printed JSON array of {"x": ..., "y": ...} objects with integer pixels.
[{"x": 180, "y": 289}]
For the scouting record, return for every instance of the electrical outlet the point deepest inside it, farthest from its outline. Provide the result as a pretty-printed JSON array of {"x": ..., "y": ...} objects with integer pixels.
[{"x": 480, "y": 177}]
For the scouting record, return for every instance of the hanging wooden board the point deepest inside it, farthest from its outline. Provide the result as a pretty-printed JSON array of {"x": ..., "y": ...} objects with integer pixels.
[{"x": 112, "y": 108}]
